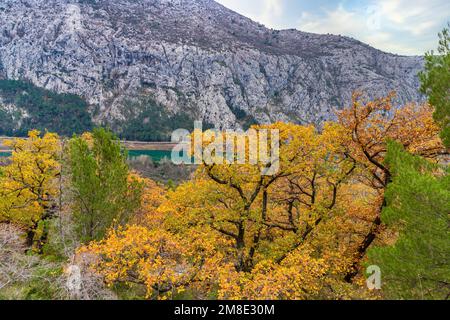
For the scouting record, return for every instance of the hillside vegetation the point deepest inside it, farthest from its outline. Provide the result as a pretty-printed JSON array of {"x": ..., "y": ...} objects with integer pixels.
[
  {"x": 343, "y": 197},
  {"x": 357, "y": 209},
  {"x": 24, "y": 107}
]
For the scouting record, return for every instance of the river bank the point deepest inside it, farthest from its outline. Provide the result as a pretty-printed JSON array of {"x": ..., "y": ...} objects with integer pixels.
[{"x": 129, "y": 145}]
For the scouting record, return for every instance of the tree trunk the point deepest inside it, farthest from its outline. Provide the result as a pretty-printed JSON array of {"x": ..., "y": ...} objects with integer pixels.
[{"x": 364, "y": 246}]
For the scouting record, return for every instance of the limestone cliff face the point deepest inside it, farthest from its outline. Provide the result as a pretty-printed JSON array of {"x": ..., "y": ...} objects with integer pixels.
[{"x": 190, "y": 56}]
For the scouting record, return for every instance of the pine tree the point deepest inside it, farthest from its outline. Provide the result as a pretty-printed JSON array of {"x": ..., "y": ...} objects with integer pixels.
[
  {"x": 436, "y": 83},
  {"x": 417, "y": 210},
  {"x": 104, "y": 193}
]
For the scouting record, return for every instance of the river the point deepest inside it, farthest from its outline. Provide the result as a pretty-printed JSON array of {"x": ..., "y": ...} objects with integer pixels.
[{"x": 154, "y": 155}]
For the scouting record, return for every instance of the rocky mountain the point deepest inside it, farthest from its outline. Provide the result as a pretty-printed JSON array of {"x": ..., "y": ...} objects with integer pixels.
[{"x": 189, "y": 58}]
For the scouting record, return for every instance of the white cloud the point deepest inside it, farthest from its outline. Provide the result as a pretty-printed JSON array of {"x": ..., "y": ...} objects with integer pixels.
[
  {"x": 339, "y": 21},
  {"x": 263, "y": 11},
  {"x": 417, "y": 17},
  {"x": 407, "y": 27},
  {"x": 271, "y": 10},
  {"x": 400, "y": 26},
  {"x": 353, "y": 24}
]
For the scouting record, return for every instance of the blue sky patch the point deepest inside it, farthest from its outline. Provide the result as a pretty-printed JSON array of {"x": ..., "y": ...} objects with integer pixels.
[{"x": 406, "y": 27}]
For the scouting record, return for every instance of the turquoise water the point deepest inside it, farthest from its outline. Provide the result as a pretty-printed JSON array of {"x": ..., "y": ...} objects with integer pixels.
[{"x": 155, "y": 155}]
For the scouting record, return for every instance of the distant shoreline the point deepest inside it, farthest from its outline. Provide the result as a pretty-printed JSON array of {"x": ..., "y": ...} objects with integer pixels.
[
  {"x": 150, "y": 146},
  {"x": 130, "y": 145}
]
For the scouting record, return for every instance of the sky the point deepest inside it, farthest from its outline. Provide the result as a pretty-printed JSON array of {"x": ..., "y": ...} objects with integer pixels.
[{"x": 405, "y": 27}]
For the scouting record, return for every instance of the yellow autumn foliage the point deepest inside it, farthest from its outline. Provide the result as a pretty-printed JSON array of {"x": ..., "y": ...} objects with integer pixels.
[{"x": 233, "y": 233}]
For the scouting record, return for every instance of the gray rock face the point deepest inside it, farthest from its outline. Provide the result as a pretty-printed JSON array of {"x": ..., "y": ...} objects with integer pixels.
[{"x": 191, "y": 56}]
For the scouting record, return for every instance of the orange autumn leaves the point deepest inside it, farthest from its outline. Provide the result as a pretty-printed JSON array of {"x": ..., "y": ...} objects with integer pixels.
[
  {"x": 369, "y": 124},
  {"x": 230, "y": 233}
]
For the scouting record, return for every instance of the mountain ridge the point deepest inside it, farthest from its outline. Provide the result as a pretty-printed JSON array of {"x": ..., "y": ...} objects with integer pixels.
[{"x": 191, "y": 57}]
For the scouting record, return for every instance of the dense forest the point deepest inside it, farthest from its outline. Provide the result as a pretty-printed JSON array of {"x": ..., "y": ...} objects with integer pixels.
[
  {"x": 153, "y": 123},
  {"x": 24, "y": 107},
  {"x": 369, "y": 191},
  {"x": 36, "y": 108}
]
